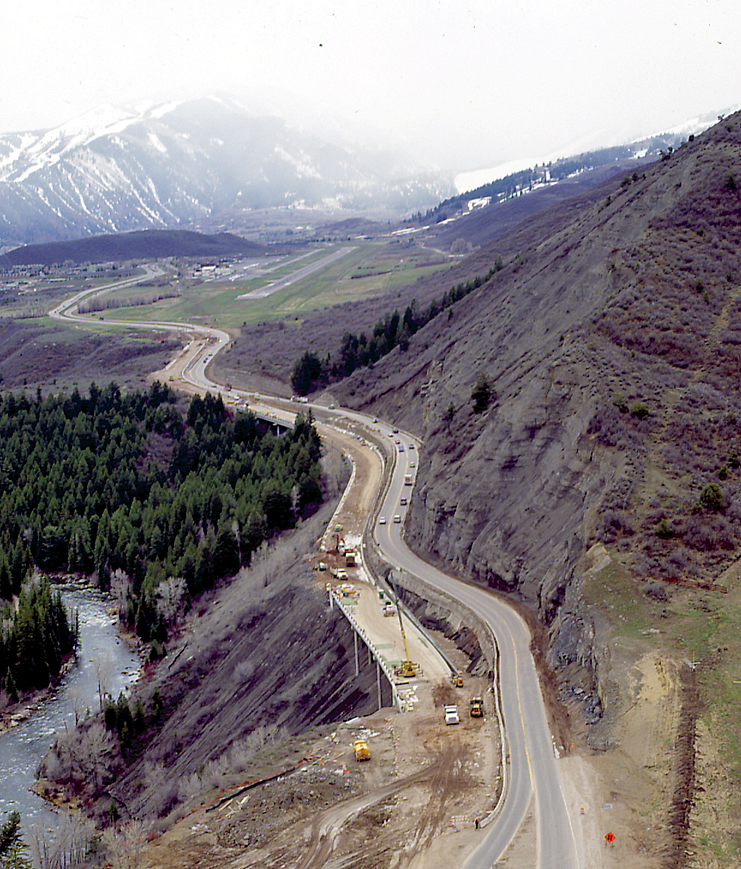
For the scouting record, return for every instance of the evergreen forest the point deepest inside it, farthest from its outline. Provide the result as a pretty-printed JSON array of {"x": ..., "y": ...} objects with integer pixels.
[
  {"x": 167, "y": 497},
  {"x": 393, "y": 330},
  {"x": 36, "y": 637}
]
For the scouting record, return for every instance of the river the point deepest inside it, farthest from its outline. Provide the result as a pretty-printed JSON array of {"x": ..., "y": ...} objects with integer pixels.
[{"x": 22, "y": 747}]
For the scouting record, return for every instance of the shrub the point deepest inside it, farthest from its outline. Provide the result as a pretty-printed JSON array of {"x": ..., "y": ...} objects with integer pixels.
[
  {"x": 664, "y": 529},
  {"x": 656, "y": 590},
  {"x": 639, "y": 410},
  {"x": 482, "y": 394},
  {"x": 711, "y": 498},
  {"x": 620, "y": 402}
]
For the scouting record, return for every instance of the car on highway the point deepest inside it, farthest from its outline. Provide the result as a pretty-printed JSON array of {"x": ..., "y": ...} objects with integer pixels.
[
  {"x": 382, "y": 520},
  {"x": 397, "y": 519},
  {"x": 401, "y": 448},
  {"x": 411, "y": 446},
  {"x": 403, "y": 502},
  {"x": 412, "y": 465}
]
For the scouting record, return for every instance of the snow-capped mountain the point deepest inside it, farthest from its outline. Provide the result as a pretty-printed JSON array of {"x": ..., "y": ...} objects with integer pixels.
[{"x": 196, "y": 163}]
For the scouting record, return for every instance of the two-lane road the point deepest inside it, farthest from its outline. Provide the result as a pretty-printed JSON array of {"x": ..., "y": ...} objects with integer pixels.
[{"x": 532, "y": 764}]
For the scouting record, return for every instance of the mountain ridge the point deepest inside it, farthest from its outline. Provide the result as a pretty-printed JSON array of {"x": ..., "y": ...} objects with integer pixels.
[
  {"x": 204, "y": 163},
  {"x": 139, "y": 244}
]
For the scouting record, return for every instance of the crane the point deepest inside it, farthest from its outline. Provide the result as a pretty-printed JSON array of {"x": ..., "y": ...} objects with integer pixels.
[{"x": 407, "y": 669}]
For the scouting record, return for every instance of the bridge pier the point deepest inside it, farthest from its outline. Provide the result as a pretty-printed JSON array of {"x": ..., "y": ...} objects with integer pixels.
[{"x": 373, "y": 654}]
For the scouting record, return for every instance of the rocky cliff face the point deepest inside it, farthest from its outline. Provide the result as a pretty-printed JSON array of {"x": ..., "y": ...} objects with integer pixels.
[{"x": 610, "y": 341}]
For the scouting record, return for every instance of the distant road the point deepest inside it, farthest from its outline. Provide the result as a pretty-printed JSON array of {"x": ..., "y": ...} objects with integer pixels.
[
  {"x": 68, "y": 308},
  {"x": 205, "y": 344}
]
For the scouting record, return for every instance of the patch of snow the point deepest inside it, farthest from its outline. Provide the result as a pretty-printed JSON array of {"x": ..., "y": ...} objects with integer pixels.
[
  {"x": 302, "y": 165},
  {"x": 478, "y": 177},
  {"x": 156, "y": 143}
]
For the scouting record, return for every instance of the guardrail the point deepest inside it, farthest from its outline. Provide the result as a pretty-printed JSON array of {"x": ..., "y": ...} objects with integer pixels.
[
  {"x": 334, "y": 599},
  {"x": 413, "y": 584}
]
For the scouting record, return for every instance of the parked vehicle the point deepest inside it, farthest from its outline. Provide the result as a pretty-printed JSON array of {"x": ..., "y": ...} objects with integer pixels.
[
  {"x": 451, "y": 715},
  {"x": 477, "y": 707},
  {"x": 362, "y": 752}
]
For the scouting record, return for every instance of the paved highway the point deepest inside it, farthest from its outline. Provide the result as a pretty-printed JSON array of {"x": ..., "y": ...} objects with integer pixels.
[
  {"x": 205, "y": 344},
  {"x": 532, "y": 764},
  {"x": 68, "y": 308}
]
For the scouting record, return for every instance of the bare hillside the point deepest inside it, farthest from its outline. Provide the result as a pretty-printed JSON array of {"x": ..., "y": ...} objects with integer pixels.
[
  {"x": 633, "y": 299},
  {"x": 600, "y": 481}
]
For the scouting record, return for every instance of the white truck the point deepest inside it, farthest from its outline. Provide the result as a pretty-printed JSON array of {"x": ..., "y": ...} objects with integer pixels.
[{"x": 451, "y": 715}]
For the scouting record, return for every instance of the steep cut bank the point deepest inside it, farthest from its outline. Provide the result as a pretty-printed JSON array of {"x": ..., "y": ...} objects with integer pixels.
[
  {"x": 610, "y": 345},
  {"x": 601, "y": 342}
]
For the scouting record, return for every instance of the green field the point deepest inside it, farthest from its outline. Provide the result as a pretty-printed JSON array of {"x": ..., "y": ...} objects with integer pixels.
[{"x": 365, "y": 270}]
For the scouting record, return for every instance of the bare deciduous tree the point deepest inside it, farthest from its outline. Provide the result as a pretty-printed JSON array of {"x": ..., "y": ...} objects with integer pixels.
[
  {"x": 104, "y": 669},
  {"x": 78, "y": 702},
  {"x": 169, "y": 597},
  {"x": 125, "y": 843},
  {"x": 63, "y": 847}
]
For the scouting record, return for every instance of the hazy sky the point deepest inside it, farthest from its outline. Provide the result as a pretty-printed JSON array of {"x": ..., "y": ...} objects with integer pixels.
[{"x": 462, "y": 84}]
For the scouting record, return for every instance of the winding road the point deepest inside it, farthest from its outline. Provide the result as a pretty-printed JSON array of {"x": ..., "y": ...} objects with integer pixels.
[{"x": 532, "y": 766}]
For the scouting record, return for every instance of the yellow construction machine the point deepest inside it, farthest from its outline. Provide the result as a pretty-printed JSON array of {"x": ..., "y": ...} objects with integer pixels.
[
  {"x": 477, "y": 707},
  {"x": 360, "y": 747}
]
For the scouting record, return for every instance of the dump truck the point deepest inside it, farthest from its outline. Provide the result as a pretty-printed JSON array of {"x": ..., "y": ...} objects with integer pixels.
[
  {"x": 477, "y": 707},
  {"x": 388, "y": 608},
  {"x": 360, "y": 747},
  {"x": 451, "y": 715},
  {"x": 349, "y": 557}
]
